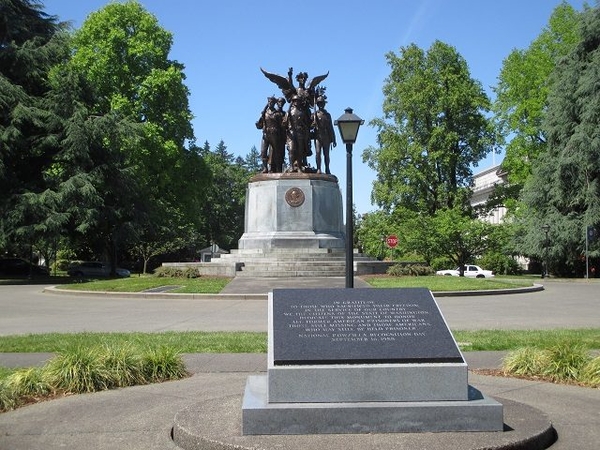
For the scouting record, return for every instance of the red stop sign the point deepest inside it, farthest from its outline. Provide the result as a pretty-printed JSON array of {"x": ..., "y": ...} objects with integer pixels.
[{"x": 391, "y": 240}]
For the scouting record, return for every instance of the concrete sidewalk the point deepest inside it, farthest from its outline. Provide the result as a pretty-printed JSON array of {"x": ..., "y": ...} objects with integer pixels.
[{"x": 141, "y": 417}]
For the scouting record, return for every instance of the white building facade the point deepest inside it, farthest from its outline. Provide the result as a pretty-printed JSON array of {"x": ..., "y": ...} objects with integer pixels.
[{"x": 483, "y": 186}]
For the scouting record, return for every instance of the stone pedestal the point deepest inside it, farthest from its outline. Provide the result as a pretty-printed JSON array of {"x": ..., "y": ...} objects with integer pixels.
[{"x": 293, "y": 211}]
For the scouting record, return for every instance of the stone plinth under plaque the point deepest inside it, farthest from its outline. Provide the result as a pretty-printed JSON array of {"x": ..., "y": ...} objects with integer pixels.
[{"x": 362, "y": 360}]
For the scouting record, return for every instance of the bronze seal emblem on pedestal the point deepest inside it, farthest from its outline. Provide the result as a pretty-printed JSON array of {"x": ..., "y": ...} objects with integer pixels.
[{"x": 294, "y": 197}]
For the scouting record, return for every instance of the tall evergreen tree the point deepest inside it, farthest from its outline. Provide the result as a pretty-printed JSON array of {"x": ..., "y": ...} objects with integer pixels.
[
  {"x": 30, "y": 43},
  {"x": 564, "y": 189},
  {"x": 224, "y": 208},
  {"x": 144, "y": 178}
]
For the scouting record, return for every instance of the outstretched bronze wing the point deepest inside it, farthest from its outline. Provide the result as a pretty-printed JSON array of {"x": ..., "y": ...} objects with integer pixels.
[
  {"x": 282, "y": 82},
  {"x": 316, "y": 80}
]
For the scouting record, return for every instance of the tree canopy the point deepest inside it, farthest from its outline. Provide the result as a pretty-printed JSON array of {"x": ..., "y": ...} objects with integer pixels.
[
  {"x": 433, "y": 131},
  {"x": 31, "y": 42},
  {"x": 564, "y": 188},
  {"x": 522, "y": 93}
]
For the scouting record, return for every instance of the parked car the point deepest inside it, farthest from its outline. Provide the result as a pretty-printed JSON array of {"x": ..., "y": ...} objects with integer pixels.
[
  {"x": 20, "y": 267},
  {"x": 95, "y": 269},
  {"x": 471, "y": 271}
]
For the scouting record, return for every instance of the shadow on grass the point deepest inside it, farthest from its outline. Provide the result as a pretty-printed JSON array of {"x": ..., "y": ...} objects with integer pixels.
[{"x": 42, "y": 280}]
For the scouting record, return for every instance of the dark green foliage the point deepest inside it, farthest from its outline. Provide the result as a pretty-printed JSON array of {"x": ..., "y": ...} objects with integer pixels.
[
  {"x": 412, "y": 270},
  {"x": 500, "y": 264},
  {"x": 176, "y": 272},
  {"x": 30, "y": 43},
  {"x": 94, "y": 126},
  {"x": 442, "y": 263},
  {"x": 564, "y": 188},
  {"x": 223, "y": 212}
]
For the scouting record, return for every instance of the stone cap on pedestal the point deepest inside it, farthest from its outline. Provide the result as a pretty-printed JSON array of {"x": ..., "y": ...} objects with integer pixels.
[{"x": 293, "y": 176}]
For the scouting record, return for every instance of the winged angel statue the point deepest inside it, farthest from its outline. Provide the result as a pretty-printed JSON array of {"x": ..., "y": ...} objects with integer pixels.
[{"x": 296, "y": 127}]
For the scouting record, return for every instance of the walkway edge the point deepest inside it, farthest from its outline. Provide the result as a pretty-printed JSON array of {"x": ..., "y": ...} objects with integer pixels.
[
  {"x": 163, "y": 295},
  {"x": 155, "y": 295}
]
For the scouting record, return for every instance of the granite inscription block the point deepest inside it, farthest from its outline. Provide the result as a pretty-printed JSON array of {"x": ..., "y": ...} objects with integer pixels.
[{"x": 359, "y": 326}]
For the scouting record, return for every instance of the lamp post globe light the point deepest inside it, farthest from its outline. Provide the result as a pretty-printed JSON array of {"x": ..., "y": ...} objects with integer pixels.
[{"x": 348, "y": 125}]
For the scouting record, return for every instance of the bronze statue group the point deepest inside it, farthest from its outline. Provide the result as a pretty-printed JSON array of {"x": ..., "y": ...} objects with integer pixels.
[{"x": 306, "y": 120}]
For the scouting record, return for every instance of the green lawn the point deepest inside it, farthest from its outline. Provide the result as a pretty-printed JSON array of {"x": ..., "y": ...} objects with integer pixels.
[
  {"x": 184, "y": 342},
  {"x": 247, "y": 342},
  {"x": 200, "y": 285},
  {"x": 213, "y": 285},
  {"x": 437, "y": 283}
]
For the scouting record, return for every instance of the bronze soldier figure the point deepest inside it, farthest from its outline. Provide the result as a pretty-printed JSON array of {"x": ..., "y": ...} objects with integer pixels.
[
  {"x": 270, "y": 122},
  {"x": 324, "y": 132},
  {"x": 279, "y": 153},
  {"x": 297, "y": 123}
]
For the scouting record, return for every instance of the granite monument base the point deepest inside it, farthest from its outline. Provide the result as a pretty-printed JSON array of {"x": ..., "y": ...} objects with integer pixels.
[
  {"x": 362, "y": 361},
  {"x": 293, "y": 210},
  {"x": 259, "y": 416}
]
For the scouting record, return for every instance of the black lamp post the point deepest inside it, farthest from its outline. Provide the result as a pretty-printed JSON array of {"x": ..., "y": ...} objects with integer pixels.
[
  {"x": 348, "y": 125},
  {"x": 545, "y": 228}
]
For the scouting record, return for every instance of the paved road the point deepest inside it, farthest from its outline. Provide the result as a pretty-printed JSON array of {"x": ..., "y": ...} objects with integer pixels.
[{"x": 27, "y": 309}]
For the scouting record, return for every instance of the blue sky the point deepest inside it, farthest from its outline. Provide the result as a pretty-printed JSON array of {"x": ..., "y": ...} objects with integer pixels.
[{"x": 223, "y": 43}]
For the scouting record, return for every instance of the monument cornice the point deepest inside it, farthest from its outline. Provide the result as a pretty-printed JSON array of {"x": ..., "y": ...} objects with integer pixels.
[{"x": 293, "y": 176}]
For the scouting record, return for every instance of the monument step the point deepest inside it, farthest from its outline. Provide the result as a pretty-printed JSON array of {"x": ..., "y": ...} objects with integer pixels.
[
  {"x": 285, "y": 251},
  {"x": 291, "y": 256},
  {"x": 289, "y": 273},
  {"x": 291, "y": 261},
  {"x": 286, "y": 255}
]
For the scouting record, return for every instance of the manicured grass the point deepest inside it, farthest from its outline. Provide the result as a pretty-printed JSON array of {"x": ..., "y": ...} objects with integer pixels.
[
  {"x": 214, "y": 285},
  {"x": 247, "y": 342},
  {"x": 5, "y": 372},
  {"x": 200, "y": 285},
  {"x": 184, "y": 342},
  {"x": 438, "y": 283},
  {"x": 501, "y": 340}
]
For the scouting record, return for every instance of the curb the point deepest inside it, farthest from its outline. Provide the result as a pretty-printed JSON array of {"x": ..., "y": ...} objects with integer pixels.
[
  {"x": 163, "y": 295},
  {"x": 519, "y": 290},
  {"x": 155, "y": 295}
]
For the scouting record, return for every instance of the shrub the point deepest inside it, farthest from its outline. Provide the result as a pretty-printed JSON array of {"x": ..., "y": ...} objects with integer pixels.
[
  {"x": 124, "y": 365},
  {"x": 163, "y": 364},
  {"x": 443, "y": 263},
  {"x": 81, "y": 370},
  {"x": 563, "y": 362},
  {"x": 28, "y": 382},
  {"x": 78, "y": 370},
  {"x": 590, "y": 373},
  {"x": 415, "y": 270},
  {"x": 526, "y": 361},
  {"x": 566, "y": 361},
  {"x": 176, "y": 272},
  {"x": 500, "y": 264},
  {"x": 62, "y": 264},
  {"x": 8, "y": 398}
]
